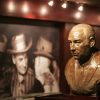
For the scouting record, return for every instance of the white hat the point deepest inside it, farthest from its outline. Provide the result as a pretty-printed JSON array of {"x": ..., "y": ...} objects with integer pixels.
[
  {"x": 44, "y": 48},
  {"x": 19, "y": 44}
]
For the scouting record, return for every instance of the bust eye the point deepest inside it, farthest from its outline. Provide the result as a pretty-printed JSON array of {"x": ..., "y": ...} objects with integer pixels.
[{"x": 77, "y": 41}]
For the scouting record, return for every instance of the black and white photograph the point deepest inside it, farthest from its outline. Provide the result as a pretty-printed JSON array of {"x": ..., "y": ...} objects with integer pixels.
[{"x": 31, "y": 59}]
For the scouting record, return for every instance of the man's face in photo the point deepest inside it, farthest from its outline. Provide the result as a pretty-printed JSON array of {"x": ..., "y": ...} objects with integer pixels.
[{"x": 21, "y": 62}]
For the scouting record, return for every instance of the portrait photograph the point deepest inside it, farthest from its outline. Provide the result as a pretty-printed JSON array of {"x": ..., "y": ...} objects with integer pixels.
[{"x": 29, "y": 57}]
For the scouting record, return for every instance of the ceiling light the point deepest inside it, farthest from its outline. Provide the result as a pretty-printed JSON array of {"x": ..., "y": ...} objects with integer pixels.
[
  {"x": 78, "y": 15},
  {"x": 11, "y": 6},
  {"x": 64, "y": 5},
  {"x": 43, "y": 10},
  {"x": 25, "y": 8},
  {"x": 51, "y": 3},
  {"x": 81, "y": 8}
]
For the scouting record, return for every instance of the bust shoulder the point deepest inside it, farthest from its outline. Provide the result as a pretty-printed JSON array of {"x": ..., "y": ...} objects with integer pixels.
[
  {"x": 96, "y": 59},
  {"x": 70, "y": 62},
  {"x": 97, "y": 54},
  {"x": 69, "y": 65}
]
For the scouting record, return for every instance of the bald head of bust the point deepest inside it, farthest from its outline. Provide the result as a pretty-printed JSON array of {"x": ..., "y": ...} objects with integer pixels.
[
  {"x": 85, "y": 29},
  {"x": 81, "y": 39}
]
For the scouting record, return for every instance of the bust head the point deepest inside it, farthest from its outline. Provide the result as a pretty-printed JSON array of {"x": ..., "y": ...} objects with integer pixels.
[{"x": 81, "y": 39}]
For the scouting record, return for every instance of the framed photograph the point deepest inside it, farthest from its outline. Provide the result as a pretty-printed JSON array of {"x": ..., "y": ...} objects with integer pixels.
[{"x": 30, "y": 58}]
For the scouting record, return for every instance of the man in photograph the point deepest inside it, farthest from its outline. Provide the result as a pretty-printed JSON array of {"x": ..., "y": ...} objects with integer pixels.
[
  {"x": 82, "y": 71},
  {"x": 23, "y": 79},
  {"x": 46, "y": 67}
]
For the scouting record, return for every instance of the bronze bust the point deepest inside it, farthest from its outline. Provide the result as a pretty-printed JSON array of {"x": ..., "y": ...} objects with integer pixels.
[{"x": 82, "y": 71}]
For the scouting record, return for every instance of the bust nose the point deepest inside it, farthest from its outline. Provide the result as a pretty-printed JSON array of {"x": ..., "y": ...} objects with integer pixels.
[
  {"x": 72, "y": 50},
  {"x": 72, "y": 47}
]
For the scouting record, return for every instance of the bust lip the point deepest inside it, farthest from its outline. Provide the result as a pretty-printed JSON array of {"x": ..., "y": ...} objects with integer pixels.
[{"x": 75, "y": 54}]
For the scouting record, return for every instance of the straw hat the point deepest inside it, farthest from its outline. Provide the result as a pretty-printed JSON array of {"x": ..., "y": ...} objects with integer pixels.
[
  {"x": 19, "y": 44},
  {"x": 3, "y": 42},
  {"x": 44, "y": 48}
]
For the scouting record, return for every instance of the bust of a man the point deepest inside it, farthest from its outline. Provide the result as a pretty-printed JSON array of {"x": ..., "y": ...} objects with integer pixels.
[{"x": 82, "y": 71}]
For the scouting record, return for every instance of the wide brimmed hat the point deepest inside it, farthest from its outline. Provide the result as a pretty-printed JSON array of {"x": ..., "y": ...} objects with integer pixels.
[
  {"x": 3, "y": 42},
  {"x": 19, "y": 44},
  {"x": 44, "y": 48}
]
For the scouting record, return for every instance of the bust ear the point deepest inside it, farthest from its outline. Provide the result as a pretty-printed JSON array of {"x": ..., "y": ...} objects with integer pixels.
[{"x": 92, "y": 43}]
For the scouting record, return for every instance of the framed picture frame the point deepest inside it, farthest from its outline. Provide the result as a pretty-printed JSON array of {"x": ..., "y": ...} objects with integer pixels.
[{"x": 45, "y": 38}]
